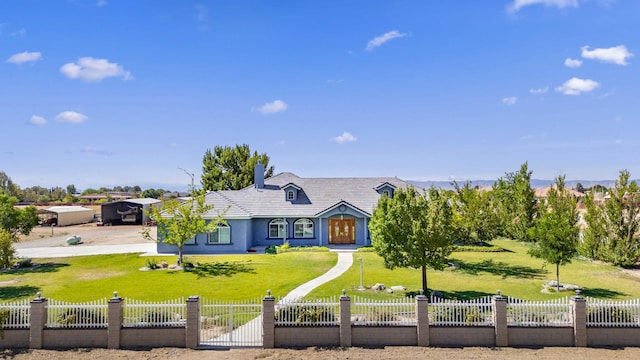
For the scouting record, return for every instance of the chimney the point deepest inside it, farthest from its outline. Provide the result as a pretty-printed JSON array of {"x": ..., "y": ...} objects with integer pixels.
[{"x": 258, "y": 176}]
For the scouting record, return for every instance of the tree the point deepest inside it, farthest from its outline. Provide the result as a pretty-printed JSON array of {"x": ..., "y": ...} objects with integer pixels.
[
  {"x": 178, "y": 221},
  {"x": 413, "y": 230},
  {"x": 152, "y": 193},
  {"x": 516, "y": 203},
  {"x": 231, "y": 168},
  {"x": 71, "y": 189},
  {"x": 555, "y": 231},
  {"x": 8, "y": 187},
  {"x": 474, "y": 215},
  {"x": 613, "y": 234},
  {"x": 13, "y": 221}
]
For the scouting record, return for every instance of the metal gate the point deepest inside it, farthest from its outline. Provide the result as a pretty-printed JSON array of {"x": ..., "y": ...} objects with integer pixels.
[{"x": 231, "y": 324}]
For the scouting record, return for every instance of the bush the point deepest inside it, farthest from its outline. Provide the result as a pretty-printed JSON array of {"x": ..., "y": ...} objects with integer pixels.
[
  {"x": 306, "y": 313},
  {"x": 24, "y": 263},
  {"x": 152, "y": 263},
  {"x": 81, "y": 316},
  {"x": 7, "y": 251},
  {"x": 611, "y": 314},
  {"x": 271, "y": 249},
  {"x": 287, "y": 248},
  {"x": 188, "y": 264}
]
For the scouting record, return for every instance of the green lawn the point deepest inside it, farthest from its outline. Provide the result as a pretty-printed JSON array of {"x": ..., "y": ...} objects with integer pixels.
[
  {"x": 229, "y": 277},
  {"x": 513, "y": 272}
]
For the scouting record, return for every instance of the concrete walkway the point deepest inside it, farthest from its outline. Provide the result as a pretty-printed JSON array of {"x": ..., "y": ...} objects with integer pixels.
[
  {"x": 345, "y": 260},
  {"x": 81, "y": 250}
]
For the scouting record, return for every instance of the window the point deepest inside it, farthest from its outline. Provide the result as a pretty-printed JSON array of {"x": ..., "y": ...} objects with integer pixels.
[
  {"x": 290, "y": 195},
  {"x": 191, "y": 241},
  {"x": 386, "y": 193},
  {"x": 303, "y": 228},
  {"x": 221, "y": 235},
  {"x": 277, "y": 228}
]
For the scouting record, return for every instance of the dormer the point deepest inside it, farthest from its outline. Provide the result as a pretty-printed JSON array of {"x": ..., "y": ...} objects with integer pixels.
[
  {"x": 385, "y": 189},
  {"x": 291, "y": 192}
]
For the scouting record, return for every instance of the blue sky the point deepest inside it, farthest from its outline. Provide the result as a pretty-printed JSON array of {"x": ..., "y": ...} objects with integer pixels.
[{"x": 114, "y": 92}]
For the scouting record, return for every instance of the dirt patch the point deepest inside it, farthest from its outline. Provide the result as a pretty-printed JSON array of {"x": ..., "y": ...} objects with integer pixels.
[
  {"x": 390, "y": 352},
  {"x": 9, "y": 282},
  {"x": 91, "y": 234},
  {"x": 100, "y": 275}
]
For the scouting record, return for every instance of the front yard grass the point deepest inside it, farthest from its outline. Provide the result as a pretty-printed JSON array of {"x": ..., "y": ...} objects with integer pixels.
[
  {"x": 93, "y": 277},
  {"x": 513, "y": 272}
]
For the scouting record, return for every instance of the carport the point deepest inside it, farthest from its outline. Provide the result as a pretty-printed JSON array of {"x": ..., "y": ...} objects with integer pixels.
[
  {"x": 69, "y": 215},
  {"x": 128, "y": 212}
]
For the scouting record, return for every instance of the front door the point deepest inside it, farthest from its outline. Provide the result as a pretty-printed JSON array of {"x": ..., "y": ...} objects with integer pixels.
[{"x": 342, "y": 231}]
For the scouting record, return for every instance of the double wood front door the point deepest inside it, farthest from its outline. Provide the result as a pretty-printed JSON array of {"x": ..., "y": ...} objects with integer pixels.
[{"x": 342, "y": 231}]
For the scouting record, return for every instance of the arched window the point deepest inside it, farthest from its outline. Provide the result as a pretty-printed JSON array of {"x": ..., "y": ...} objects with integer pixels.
[
  {"x": 290, "y": 195},
  {"x": 303, "y": 228},
  {"x": 386, "y": 193},
  {"x": 277, "y": 228}
]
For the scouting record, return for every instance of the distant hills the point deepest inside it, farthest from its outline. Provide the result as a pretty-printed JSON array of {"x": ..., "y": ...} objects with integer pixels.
[{"x": 535, "y": 183}]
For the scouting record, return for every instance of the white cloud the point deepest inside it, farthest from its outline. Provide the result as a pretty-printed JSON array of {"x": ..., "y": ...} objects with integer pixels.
[
  {"x": 71, "y": 117},
  {"x": 19, "y": 33},
  {"x": 90, "y": 69},
  {"x": 94, "y": 150},
  {"x": 512, "y": 100},
  {"x": 576, "y": 86},
  {"x": 24, "y": 57},
  {"x": 37, "y": 120},
  {"x": 616, "y": 55},
  {"x": 202, "y": 12},
  {"x": 572, "y": 63},
  {"x": 377, "y": 41},
  {"x": 541, "y": 90},
  {"x": 345, "y": 137},
  {"x": 273, "y": 107},
  {"x": 516, "y": 5}
]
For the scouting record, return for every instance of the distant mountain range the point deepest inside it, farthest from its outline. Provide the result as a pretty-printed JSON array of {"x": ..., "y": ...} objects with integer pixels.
[{"x": 535, "y": 183}]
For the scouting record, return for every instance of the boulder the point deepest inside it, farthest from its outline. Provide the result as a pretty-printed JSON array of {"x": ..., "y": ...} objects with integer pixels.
[
  {"x": 398, "y": 288},
  {"x": 378, "y": 287},
  {"x": 74, "y": 240}
]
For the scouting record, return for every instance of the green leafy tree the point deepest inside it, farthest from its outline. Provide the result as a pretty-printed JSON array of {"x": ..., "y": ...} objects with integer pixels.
[
  {"x": 475, "y": 218},
  {"x": 71, "y": 189},
  {"x": 231, "y": 168},
  {"x": 613, "y": 234},
  {"x": 515, "y": 203},
  {"x": 413, "y": 230},
  {"x": 8, "y": 187},
  {"x": 555, "y": 231},
  {"x": 178, "y": 221},
  {"x": 152, "y": 193},
  {"x": 13, "y": 221}
]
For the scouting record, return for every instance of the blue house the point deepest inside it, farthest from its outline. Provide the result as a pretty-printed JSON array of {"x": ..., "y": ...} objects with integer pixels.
[{"x": 288, "y": 208}]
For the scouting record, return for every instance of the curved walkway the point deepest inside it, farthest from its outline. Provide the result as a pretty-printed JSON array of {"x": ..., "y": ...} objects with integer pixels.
[{"x": 345, "y": 260}]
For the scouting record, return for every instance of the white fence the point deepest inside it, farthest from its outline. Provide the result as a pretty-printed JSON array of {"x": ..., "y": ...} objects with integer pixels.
[
  {"x": 607, "y": 313},
  {"x": 475, "y": 312},
  {"x": 137, "y": 313},
  {"x": 225, "y": 323},
  {"x": 396, "y": 312},
  {"x": 551, "y": 313},
  {"x": 63, "y": 314},
  {"x": 15, "y": 315},
  {"x": 325, "y": 312}
]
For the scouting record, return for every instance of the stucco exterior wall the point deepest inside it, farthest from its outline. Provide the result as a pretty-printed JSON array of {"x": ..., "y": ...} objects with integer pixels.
[
  {"x": 75, "y": 338},
  {"x": 461, "y": 336},
  {"x": 307, "y": 336},
  {"x": 132, "y": 338},
  {"x": 15, "y": 339},
  {"x": 541, "y": 336},
  {"x": 599, "y": 336},
  {"x": 390, "y": 336}
]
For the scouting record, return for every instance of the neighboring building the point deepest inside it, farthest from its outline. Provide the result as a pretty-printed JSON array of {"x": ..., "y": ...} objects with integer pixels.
[
  {"x": 288, "y": 208},
  {"x": 128, "y": 212},
  {"x": 68, "y": 215},
  {"x": 112, "y": 195}
]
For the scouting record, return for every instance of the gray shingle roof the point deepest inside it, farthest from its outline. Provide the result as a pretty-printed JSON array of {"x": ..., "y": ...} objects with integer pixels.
[{"x": 315, "y": 196}]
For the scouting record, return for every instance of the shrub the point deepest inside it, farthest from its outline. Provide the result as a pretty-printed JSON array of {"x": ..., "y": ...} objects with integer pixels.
[
  {"x": 288, "y": 248},
  {"x": 271, "y": 249},
  {"x": 152, "y": 263},
  {"x": 24, "y": 263},
  {"x": 188, "y": 264},
  {"x": 81, "y": 316},
  {"x": 610, "y": 314},
  {"x": 306, "y": 313},
  {"x": 469, "y": 314}
]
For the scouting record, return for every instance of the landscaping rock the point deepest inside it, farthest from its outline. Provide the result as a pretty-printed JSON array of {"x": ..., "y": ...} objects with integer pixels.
[
  {"x": 398, "y": 288},
  {"x": 74, "y": 240},
  {"x": 378, "y": 287},
  {"x": 390, "y": 291},
  {"x": 454, "y": 265},
  {"x": 552, "y": 286}
]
